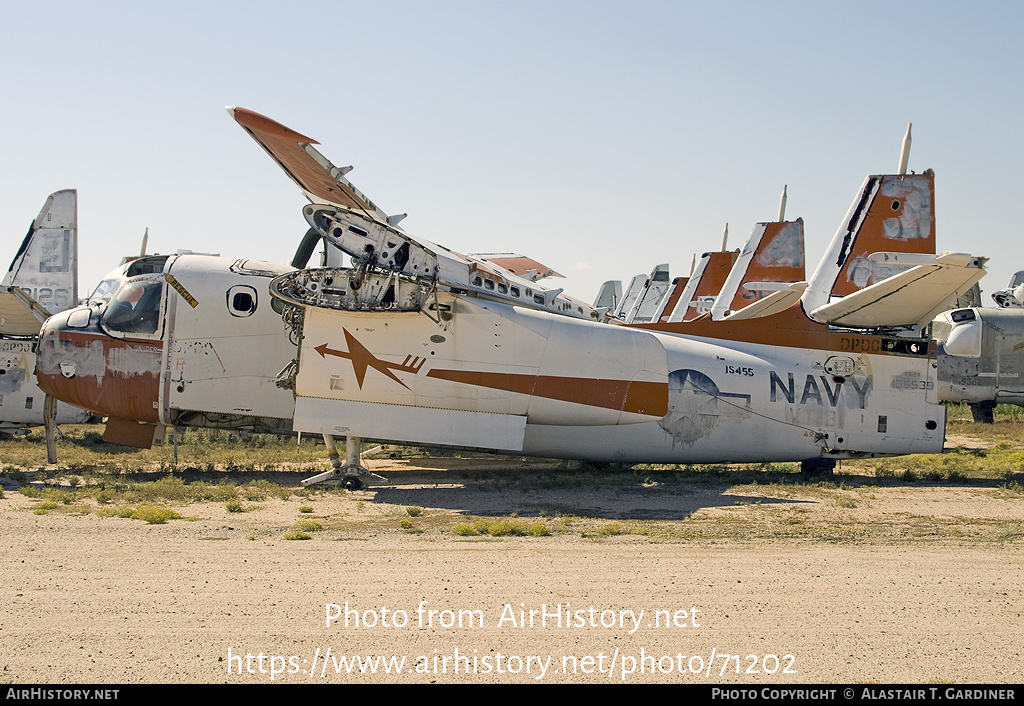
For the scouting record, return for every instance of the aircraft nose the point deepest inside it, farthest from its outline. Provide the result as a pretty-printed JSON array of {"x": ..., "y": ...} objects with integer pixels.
[{"x": 79, "y": 363}]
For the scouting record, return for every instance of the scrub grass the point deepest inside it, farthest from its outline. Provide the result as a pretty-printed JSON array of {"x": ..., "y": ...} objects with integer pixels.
[
  {"x": 746, "y": 502},
  {"x": 83, "y": 449}
]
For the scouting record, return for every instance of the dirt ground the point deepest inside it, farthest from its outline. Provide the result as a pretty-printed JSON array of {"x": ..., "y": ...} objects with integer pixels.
[{"x": 636, "y": 583}]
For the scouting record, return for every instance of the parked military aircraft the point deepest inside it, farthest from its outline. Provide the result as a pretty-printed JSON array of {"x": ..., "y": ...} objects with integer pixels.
[
  {"x": 42, "y": 280},
  {"x": 722, "y": 283},
  {"x": 414, "y": 343},
  {"x": 981, "y": 359},
  {"x": 183, "y": 340}
]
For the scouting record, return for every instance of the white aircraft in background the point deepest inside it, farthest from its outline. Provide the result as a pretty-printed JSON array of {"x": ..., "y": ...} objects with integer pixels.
[
  {"x": 42, "y": 280},
  {"x": 414, "y": 343},
  {"x": 981, "y": 359}
]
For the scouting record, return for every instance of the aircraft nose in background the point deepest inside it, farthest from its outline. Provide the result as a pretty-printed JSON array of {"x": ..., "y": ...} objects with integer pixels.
[{"x": 118, "y": 378}]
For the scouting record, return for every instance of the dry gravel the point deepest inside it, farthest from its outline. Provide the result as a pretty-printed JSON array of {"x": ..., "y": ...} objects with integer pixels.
[{"x": 92, "y": 599}]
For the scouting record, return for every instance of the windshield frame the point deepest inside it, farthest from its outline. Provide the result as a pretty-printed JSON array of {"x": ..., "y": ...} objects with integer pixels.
[{"x": 150, "y": 291}]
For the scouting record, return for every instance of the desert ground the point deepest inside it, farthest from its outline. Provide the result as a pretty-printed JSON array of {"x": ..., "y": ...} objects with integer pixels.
[{"x": 618, "y": 577}]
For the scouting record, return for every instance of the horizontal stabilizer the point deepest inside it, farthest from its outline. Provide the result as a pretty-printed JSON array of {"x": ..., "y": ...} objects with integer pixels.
[
  {"x": 20, "y": 315},
  {"x": 911, "y": 298},
  {"x": 777, "y": 301}
]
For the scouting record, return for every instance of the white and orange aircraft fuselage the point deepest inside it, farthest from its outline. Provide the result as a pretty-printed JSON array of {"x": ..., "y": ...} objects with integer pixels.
[
  {"x": 417, "y": 344},
  {"x": 200, "y": 343}
]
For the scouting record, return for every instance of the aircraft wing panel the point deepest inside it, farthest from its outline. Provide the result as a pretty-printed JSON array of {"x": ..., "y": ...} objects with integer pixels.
[
  {"x": 912, "y": 297},
  {"x": 519, "y": 265},
  {"x": 319, "y": 180},
  {"x": 414, "y": 425},
  {"x": 20, "y": 315}
]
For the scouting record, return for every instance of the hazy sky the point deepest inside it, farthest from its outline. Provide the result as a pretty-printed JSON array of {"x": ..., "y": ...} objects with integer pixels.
[{"x": 601, "y": 138}]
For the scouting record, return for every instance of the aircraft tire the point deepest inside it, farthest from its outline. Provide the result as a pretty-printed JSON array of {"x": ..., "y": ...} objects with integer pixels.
[
  {"x": 983, "y": 412},
  {"x": 818, "y": 467}
]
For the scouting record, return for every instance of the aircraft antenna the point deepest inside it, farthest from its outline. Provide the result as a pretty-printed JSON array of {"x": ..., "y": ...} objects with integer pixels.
[
  {"x": 145, "y": 242},
  {"x": 782, "y": 205},
  {"x": 725, "y": 236},
  {"x": 905, "y": 153}
]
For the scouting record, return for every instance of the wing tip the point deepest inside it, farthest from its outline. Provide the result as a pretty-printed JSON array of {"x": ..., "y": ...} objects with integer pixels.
[{"x": 252, "y": 120}]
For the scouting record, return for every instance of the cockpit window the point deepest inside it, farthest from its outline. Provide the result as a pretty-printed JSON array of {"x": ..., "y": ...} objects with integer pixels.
[
  {"x": 147, "y": 264},
  {"x": 104, "y": 290},
  {"x": 962, "y": 315},
  {"x": 135, "y": 308}
]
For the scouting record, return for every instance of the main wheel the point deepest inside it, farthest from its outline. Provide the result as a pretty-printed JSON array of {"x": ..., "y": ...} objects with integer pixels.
[
  {"x": 983, "y": 412},
  {"x": 818, "y": 467}
]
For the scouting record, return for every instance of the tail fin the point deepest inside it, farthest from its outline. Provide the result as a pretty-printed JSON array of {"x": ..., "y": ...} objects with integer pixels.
[
  {"x": 890, "y": 214},
  {"x": 46, "y": 266},
  {"x": 705, "y": 283},
  {"x": 670, "y": 299},
  {"x": 774, "y": 253},
  {"x": 629, "y": 297},
  {"x": 609, "y": 296},
  {"x": 647, "y": 302}
]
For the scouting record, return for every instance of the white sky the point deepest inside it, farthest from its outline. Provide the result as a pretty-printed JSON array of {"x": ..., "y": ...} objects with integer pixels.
[{"x": 601, "y": 138}]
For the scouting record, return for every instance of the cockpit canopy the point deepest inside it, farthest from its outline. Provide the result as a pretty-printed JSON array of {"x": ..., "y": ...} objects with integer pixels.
[
  {"x": 135, "y": 308},
  {"x": 148, "y": 264}
]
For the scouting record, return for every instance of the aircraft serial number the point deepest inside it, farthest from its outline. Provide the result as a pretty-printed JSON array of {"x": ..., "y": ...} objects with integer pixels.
[
  {"x": 860, "y": 345},
  {"x": 734, "y": 370}
]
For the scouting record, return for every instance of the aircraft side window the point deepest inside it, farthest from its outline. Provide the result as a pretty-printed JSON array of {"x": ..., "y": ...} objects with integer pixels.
[
  {"x": 79, "y": 318},
  {"x": 135, "y": 308},
  {"x": 242, "y": 300}
]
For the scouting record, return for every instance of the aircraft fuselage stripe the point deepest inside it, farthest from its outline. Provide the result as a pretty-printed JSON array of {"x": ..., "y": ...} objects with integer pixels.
[{"x": 648, "y": 398}]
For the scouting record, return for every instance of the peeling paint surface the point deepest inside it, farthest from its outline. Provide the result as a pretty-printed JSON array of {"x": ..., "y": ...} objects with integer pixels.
[
  {"x": 786, "y": 249},
  {"x": 696, "y": 406}
]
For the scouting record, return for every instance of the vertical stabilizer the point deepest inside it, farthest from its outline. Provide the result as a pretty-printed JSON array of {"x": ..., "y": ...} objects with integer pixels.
[
  {"x": 705, "y": 283},
  {"x": 609, "y": 296},
  {"x": 636, "y": 286},
  {"x": 46, "y": 266},
  {"x": 890, "y": 214},
  {"x": 670, "y": 299},
  {"x": 647, "y": 303},
  {"x": 773, "y": 254}
]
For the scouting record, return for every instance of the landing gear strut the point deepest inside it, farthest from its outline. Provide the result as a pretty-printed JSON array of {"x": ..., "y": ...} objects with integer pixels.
[{"x": 351, "y": 475}]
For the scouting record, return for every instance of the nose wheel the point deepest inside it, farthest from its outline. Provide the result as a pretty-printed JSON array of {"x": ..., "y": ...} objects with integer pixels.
[{"x": 351, "y": 474}]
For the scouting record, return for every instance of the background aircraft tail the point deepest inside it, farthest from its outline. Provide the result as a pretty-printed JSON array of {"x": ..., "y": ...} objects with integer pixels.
[
  {"x": 893, "y": 213},
  {"x": 46, "y": 266},
  {"x": 705, "y": 283},
  {"x": 774, "y": 253}
]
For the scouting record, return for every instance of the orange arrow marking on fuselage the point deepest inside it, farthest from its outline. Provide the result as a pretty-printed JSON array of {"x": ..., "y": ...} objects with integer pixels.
[
  {"x": 362, "y": 359},
  {"x": 639, "y": 397}
]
